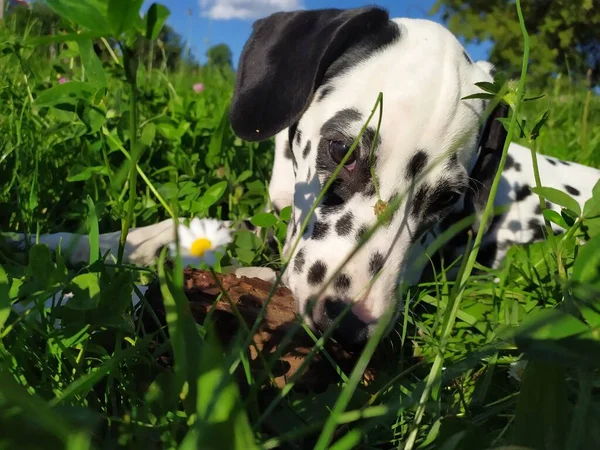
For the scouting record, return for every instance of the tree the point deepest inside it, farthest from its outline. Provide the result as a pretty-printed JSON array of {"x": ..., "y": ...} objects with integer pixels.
[
  {"x": 564, "y": 35},
  {"x": 219, "y": 56}
]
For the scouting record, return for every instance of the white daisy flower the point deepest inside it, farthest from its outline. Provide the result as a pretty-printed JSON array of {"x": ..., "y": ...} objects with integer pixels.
[{"x": 201, "y": 241}]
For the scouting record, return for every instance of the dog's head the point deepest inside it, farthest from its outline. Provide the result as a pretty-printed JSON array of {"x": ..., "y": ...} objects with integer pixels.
[{"x": 316, "y": 76}]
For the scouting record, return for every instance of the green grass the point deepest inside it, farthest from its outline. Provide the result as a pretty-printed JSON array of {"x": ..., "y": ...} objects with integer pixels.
[{"x": 97, "y": 381}]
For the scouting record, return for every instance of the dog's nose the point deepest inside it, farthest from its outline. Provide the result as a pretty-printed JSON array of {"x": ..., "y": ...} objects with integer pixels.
[{"x": 350, "y": 331}]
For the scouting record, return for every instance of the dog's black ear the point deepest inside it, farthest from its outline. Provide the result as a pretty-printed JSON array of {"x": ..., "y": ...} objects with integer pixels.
[
  {"x": 491, "y": 144},
  {"x": 284, "y": 61}
]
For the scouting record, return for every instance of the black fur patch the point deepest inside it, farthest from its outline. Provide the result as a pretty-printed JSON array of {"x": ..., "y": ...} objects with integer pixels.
[
  {"x": 299, "y": 260},
  {"x": 320, "y": 230},
  {"x": 361, "y": 232},
  {"x": 551, "y": 161},
  {"x": 487, "y": 254},
  {"x": 306, "y": 150},
  {"x": 416, "y": 164},
  {"x": 348, "y": 183},
  {"x": 566, "y": 163},
  {"x": 523, "y": 192},
  {"x": 342, "y": 283},
  {"x": 365, "y": 48},
  {"x": 376, "y": 263},
  {"x": 316, "y": 273},
  {"x": 298, "y": 137},
  {"x": 344, "y": 225},
  {"x": 429, "y": 203},
  {"x": 324, "y": 93},
  {"x": 511, "y": 163},
  {"x": 539, "y": 232},
  {"x": 571, "y": 190},
  {"x": 288, "y": 151}
]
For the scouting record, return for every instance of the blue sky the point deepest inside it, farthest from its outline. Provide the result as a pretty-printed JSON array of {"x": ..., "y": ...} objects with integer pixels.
[{"x": 204, "y": 23}]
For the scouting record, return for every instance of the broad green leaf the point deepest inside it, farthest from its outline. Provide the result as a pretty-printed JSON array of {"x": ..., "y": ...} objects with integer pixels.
[
  {"x": 86, "y": 290},
  {"x": 124, "y": 15},
  {"x": 560, "y": 198},
  {"x": 94, "y": 72},
  {"x": 212, "y": 195},
  {"x": 264, "y": 220},
  {"x": 90, "y": 14},
  {"x": 586, "y": 269},
  {"x": 591, "y": 208},
  {"x": 286, "y": 214},
  {"x": 480, "y": 95},
  {"x": 555, "y": 217},
  {"x": 155, "y": 19},
  {"x": 488, "y": 87},
  {"x": 247, "y": 240},
  {"x": 148, "y": 134},
  {"x": 69, "y": 93}
]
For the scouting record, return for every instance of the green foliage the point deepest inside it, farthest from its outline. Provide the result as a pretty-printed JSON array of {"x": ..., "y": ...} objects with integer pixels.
[
  {"x": 88, "y": 373},
  {"x": 564, "y": 35}
]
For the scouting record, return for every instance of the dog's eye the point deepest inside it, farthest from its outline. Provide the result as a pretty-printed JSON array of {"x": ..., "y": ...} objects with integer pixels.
[{"x": 337, "y": 151}]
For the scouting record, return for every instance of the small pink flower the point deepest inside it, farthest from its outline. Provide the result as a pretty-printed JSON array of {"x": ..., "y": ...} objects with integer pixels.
[
  {"x": 198, "y": 87},
  {"x": 63, "y": 80}
]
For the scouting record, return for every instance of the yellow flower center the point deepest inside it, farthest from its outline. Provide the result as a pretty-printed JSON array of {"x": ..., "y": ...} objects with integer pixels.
[{"x": 200, "y": 246}]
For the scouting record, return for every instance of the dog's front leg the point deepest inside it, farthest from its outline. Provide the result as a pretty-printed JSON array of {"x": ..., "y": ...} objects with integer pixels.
[{"x": 141, "y": 247}]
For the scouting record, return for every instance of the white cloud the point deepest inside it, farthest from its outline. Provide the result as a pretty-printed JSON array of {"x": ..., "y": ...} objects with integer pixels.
[{"x": 245, "y": 9}]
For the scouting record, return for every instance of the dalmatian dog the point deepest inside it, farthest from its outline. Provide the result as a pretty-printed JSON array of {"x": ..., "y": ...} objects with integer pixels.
[{"x": 310, "y": 79}]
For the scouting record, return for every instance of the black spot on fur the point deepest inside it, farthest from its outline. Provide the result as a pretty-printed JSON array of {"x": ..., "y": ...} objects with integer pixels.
[
  {"x": 316, "y": 273},
  {"x": 571, "y": 190},
  {"x": 539, "y": 232},
  {"x": 566, "y": 163},
  {"x": 292, "y": 132},
  {"x": 332, "y": 202},
  {"x": 551, "y": 161},
  {"x": 467, "y": 57},
  {"x": 342, "y": 283},
  {"x": 298, "y": 137},
  {"x": 416, "y": 164},
  {"x": 341, "y": 120},
  {"x": 306, "y": 150},
  {"x": 523, "y": 192},
  {"x": 343, "y": 226},
  {"x": 487, "y": 254},
  {"x": 361, "y": 232},
  {"x": 376, "y": 263},
  {"x": 320, "y": 230},
  {"x": 452, "y": 162},
  {"x": 419, "y": 201},
  {"x": 288, "y": 151},
  {"x": 509, "y": 163},
  {"x": 515, "y": 225},
  {"x": 299, "y": 260},
  {"x": 538, "y": 209},
  {"x": 324, "y": 93}
]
